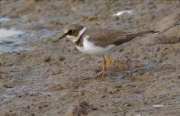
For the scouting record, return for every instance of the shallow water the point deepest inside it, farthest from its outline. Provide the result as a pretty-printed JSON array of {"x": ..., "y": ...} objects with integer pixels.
[
  {"x": 9, "y": 39},
  {"x": 8, "y": 33},
  {"x": 122, "y": 12}
]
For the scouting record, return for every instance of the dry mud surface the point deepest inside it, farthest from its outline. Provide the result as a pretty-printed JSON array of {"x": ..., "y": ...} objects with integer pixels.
[{"x": 54, "y": 79}]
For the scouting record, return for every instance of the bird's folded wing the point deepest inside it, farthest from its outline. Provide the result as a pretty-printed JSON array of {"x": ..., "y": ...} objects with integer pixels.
[{"x": 105, "y": 37}]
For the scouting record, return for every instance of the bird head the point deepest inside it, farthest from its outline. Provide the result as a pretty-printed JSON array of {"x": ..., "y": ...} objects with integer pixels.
[{"x": 73, "y": 32}]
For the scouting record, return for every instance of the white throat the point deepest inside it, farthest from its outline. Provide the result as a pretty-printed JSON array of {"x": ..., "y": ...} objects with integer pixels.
[{"x": 74, "y": 39}]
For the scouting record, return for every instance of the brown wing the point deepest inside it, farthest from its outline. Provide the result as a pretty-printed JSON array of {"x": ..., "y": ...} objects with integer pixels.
[
  {"x": 108, "y": 36},
  {"x": 105, "y": 37}
]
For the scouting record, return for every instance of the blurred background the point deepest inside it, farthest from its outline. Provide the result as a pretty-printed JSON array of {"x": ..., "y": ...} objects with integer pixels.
[{"x": 42, "y": 76}]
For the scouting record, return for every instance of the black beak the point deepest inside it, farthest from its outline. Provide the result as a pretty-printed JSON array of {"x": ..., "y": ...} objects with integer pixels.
[{"x": 64, "y": 35}]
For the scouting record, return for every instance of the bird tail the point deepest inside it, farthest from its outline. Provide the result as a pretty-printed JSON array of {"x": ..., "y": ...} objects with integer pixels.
[{"x": 134, "y": 35}]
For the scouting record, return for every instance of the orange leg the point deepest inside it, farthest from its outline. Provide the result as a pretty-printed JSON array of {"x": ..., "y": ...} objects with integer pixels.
[
  {"x": 109, "y": 62},
  {"x": 105, "y": 65}
]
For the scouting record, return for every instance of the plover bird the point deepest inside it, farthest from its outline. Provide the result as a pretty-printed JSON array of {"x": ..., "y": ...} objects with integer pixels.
[{"x": 98, "y": 40}]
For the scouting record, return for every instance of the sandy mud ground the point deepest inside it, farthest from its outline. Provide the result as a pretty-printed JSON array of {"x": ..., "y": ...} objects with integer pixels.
[{"x": 52, "y": 78}]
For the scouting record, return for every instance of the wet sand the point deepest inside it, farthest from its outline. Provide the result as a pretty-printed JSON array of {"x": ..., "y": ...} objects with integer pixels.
[{"x": 52, "y": 78}]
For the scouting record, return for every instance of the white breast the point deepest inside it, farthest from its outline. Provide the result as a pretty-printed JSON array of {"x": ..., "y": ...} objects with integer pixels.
[{"x": 89, "y": 48}]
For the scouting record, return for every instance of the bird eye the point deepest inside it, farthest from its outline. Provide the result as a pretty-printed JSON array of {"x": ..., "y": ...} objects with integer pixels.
[{"x": 70, "y": 32}]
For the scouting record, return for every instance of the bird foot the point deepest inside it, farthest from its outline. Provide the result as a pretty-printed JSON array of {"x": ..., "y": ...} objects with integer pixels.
[{"x": 101, "y": 75}]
